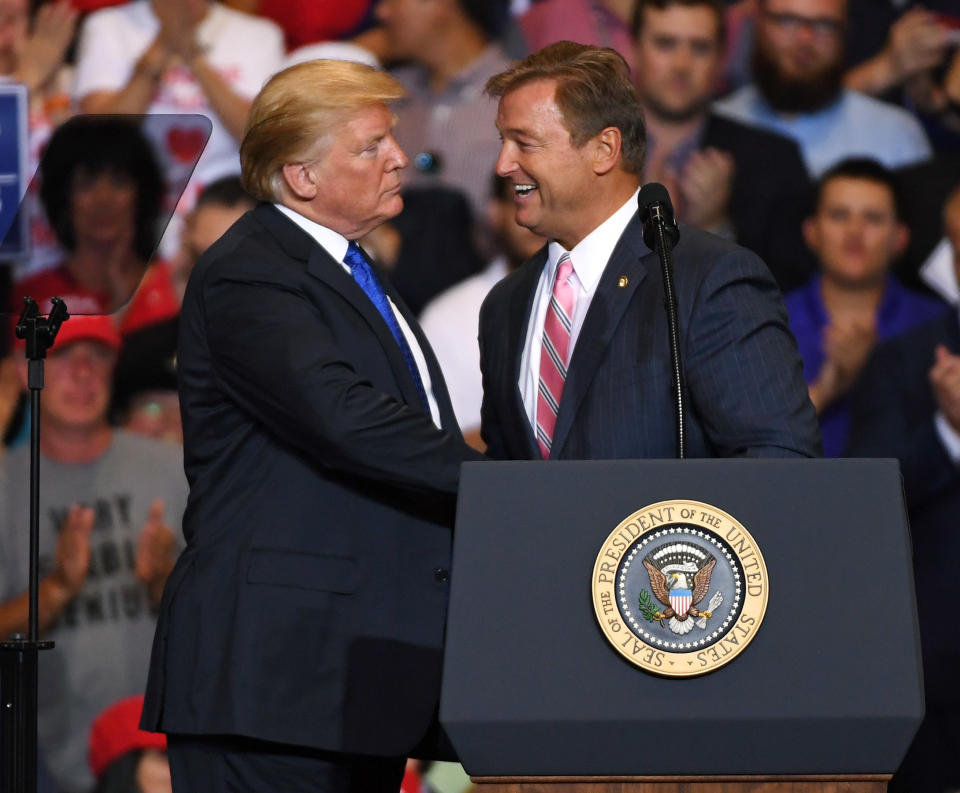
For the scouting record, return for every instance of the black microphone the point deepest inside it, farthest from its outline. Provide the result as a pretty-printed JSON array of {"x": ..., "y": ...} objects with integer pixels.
[
  {"x": 660, "y": 233},
  {"x": 656, "y": 210}
]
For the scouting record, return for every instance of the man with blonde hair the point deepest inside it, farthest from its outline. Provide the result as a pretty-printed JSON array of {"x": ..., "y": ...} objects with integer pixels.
[
  {"x": 573, "y": 344},
  {"x": 299, "y": 640}
]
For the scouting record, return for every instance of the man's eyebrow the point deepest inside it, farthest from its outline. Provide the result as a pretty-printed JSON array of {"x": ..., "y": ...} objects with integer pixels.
[{"x": 377, "y": 136}]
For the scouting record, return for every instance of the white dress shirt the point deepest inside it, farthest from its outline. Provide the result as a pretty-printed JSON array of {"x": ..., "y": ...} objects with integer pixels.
[
  {"x": 336, "y": 245},
  {"x": 589, "y": 258}
]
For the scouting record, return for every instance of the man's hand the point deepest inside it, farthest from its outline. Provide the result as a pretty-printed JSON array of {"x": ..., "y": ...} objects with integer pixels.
[
  {"x": 917, "y": 42},
  {"x": 668, "y": 177},
  {"x": 179, "y": 20},
  {"x": 846, "y": 346},
  {"x": 73, "y": 551},
  {"x": 155, "y": 551},
  {"x": 848, "y": 343},
  {"x": 945, "y": 380},
  {"x": 705, "y": 184},
  {"x": 46, "y": 48}
]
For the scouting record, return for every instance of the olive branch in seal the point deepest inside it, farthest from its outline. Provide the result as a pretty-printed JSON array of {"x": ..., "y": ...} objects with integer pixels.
[{"x": 647, "y": 607}]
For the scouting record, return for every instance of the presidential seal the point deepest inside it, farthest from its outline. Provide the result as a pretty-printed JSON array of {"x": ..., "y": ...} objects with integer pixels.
[{"x": 680, "y": 588}]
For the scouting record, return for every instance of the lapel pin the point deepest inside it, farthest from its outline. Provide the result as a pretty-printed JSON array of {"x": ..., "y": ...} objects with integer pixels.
[{"x": 623, "y": 281}]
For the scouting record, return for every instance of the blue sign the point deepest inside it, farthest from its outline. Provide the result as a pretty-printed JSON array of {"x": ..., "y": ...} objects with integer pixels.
[{"x": 14, "y": 220}]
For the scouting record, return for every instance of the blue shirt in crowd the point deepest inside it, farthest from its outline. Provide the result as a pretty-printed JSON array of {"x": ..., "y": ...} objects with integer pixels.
[
  {"x": 856, "y": 125},
  {"x": 900, "y": 310}
]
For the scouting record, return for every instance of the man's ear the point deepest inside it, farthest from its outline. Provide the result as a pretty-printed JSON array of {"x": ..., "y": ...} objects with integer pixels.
[
  {"x": 607, "y": 149},
  {"x": 300, "y": 180}
]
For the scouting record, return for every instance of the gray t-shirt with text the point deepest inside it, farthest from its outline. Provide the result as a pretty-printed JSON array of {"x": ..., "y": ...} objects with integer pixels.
[{"x": 103, "y": 637}]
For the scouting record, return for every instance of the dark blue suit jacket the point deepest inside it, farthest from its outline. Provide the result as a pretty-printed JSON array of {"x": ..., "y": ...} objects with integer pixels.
[
  {"x": 745, "y": 388},
  {"x": 893, "y": 416},
  {"x": 308, "y": 607}
]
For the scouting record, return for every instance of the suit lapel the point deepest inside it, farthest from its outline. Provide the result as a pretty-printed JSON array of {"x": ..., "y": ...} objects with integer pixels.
[
  {"x": 631, "y": 259},
  {"x": 299, "y": 245},
  {"x": 517, "y": 320}
]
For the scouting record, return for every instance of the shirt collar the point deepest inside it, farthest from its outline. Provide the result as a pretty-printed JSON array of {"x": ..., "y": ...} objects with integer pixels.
[
  {"x": 331, "y": 241},
  {"x": 591, "y": 254}
]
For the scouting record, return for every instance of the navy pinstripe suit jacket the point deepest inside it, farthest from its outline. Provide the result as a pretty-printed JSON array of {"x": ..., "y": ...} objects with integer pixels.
[
  {"x": 309, "y": 605},
  {"x": 745, "y": 390}
]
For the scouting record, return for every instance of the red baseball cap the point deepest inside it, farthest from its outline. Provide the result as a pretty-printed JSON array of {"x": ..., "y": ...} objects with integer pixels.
[
  {"x": 115, "y": 732},
  {"x": 82, "y": 328}
]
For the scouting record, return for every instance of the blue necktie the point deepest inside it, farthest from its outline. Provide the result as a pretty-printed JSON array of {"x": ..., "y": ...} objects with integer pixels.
[{"x": 364, "y": 275}]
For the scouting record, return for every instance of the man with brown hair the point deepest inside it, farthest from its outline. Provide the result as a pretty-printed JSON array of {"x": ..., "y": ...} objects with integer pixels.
[
  {"x": 300, "y": 636},
  {"x": 574, "y": 344},
  {"x": 447, "y": 49},
  {"x": 798, "y": 91},
  {"x": 740, "y": 182}
]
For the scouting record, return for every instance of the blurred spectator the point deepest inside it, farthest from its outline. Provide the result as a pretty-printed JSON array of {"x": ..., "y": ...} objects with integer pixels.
[
  {"x": 145, "y": 381},
  {"x": 451, "y": 320},
  {"x": 446, "y": 126},
  {"x": 124, "y": 758},
  {"x": 12, "y": 401},
  {"x": 915, "y": 42},
  {"x": 726, "y": 177},
  {"x": 798, "y": 91},
  {"x": 179, "y": 56},
  {"x": 109, "y": 506},
  {"x": 307, "y": 21},
  {"x": 366, "y": 48},
  {"x": 218, "y": 207},
  {"x": 33, "y": 52},
  {"x": 839, "y": 316},
  {"x": 927, "y": 186},
  {"x": 604, "y": 23},
  {"x": 101, "y": 189},
  {"x": 739, "y": 19},
  {"x": 429, "y": 246},
  {"x": 333, "y": 51},
  {"x": 86, "y": 6},
  {"x": 908, "y": 406},
  {"x": 908, "y": 53}
]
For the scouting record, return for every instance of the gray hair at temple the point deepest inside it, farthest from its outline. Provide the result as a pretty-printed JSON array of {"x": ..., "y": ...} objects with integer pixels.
[{"x": 298, "y": 111}]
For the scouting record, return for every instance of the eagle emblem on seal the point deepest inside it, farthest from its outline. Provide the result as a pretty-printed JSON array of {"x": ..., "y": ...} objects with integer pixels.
[{"x": 680, "y": 579}]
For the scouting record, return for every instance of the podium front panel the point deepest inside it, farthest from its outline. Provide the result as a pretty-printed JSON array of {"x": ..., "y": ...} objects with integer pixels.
[{"x": 831, "y": 683}]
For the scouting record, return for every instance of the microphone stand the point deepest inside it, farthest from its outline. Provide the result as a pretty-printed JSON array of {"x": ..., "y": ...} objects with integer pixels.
[
  {"x": 19, "y": 655},
  {"x": 660, "y": 228}
]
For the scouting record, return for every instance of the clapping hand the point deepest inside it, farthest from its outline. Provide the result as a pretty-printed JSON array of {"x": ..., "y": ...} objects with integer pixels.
[
  {"x": 155, "y": 551},
  {"x": 945, "y": 380}
]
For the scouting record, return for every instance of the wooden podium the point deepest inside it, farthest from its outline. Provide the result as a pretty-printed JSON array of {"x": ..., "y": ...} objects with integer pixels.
[{"x": 827, "y": 697}]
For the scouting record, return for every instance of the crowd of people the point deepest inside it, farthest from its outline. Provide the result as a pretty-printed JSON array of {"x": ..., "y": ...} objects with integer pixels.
[{"x": 822, "y": 135}]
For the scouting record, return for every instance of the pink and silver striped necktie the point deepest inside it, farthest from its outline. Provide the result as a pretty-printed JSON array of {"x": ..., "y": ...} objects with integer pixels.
[{"x": 555, "y": 353}]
